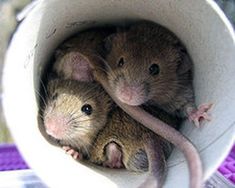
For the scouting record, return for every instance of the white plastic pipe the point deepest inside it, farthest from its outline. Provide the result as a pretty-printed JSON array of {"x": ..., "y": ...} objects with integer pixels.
[{"x": 200, "y": 24}]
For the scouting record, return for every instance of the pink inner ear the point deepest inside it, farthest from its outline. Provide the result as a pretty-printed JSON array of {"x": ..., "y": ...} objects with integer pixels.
[{"x": 80, "y": 68}]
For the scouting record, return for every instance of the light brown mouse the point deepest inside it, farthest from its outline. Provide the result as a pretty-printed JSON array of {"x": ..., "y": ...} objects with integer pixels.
[
  {"x": 148, "y": 64},
  {"x": 80, "y": 115},
  {"x": 68, "y": 113}
]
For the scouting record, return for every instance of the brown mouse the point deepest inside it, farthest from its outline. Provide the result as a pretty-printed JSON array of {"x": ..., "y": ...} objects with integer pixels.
[
  {"x": 80, "y": 115},
  {"x": 147, "y": 64},
  {"x": 161, "y": 128},
  {"x": 70, "y": 62},
  {"x": 157, "y": 126}
]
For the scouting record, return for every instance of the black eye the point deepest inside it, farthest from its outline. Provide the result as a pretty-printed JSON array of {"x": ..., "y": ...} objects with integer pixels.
[
  {"x": 121, "y": 62},
  {"x": 54, "y": 96},
  {"x": 87, "y": 109},
  {"x": 154, "y": 69}
]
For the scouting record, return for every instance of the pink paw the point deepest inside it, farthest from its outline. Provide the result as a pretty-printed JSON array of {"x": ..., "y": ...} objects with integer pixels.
[
  {"x": 114, "y": 156},
  {"x": 72, "y": 152},
  {"x": 200, "y": 114}
]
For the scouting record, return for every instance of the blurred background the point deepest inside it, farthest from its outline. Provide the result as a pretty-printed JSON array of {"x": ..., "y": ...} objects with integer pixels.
[{"x": 8, "y": 11}]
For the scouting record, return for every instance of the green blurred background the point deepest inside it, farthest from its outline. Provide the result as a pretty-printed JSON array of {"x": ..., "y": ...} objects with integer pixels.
[{"x": 8, "y": 12}]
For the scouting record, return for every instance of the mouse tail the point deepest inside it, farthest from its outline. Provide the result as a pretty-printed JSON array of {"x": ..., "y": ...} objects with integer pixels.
[{"x": 157, "y": 163}]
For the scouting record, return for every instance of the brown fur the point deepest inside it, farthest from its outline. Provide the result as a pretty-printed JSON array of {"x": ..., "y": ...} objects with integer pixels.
[{"x": 146, "y": 43}]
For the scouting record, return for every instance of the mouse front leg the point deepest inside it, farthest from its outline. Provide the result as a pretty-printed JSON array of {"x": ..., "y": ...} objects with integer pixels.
[
  {"x": 75, "y": 154},
  {"x": 196, "y": 115}
]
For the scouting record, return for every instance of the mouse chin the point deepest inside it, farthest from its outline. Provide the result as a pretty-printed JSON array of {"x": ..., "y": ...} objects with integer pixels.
[
  {"x": 132, "y": 102},
  {"x": 131, "y": 95},
  {"x": 54, "y": 135}
]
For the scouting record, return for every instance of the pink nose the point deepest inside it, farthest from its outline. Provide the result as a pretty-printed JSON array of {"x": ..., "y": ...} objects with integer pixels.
[
  {"x": 131, "y": 95},
  {"x": 56, "y": 126}
]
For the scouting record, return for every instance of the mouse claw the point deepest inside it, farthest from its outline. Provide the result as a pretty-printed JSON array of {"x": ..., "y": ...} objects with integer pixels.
[
  {"x": 196, "y": 116},
  {"x": 72, "y": 152}
]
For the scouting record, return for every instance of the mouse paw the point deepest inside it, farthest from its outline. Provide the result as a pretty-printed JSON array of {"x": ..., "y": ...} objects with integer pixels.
[
  {"x": 114, "y": 156},
  {"x": 197, "y": 115},
  {"x": 72, "y": 152}
]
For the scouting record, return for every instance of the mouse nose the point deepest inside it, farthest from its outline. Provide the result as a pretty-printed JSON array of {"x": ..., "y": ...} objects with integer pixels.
[
  {"x": 56, "y": 126},
  {"x": 131, "y": 95}
]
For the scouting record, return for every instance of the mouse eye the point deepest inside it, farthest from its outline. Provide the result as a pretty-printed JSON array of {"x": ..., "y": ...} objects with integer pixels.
[
  {"x": 54, "y": 96},
  {"x": 154, "y": 69},
  {"x": 121, "y": 62},
  {"x": 87, "y": 109}
]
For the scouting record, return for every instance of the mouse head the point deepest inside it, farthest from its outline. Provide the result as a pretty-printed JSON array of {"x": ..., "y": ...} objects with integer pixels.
[
  {"x": 144, "y": 64},
  {"x": 75, "y": 111}
]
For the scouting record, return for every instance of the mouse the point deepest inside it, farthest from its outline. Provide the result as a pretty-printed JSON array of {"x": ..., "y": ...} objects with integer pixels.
[
  {"x": 97, "y": 66},
  {"x": 148, "y": 64},
  {"x": 83, "y": 119},
  {"x": 62, "y": 117},
  {"x": 160, "y": 128}
]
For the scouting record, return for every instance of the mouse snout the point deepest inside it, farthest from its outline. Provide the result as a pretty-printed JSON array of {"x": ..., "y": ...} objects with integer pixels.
[
  {"x": 56, "y": 126},
  {"x": 131, "y": 94}
]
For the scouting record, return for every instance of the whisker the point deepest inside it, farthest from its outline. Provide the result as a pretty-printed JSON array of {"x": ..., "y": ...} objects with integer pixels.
[
  {"x": 71, "y": 120},
  {"x": 44, "y": 88},
  {"x": 74, "y": 142},
  {"x": 75, "y": 122},
  {"x": 109, "y": 73},
  {"x": 42, "y": 99},
  {"x": 41, "y": 116},
  {"x": 106, "y": 64}
]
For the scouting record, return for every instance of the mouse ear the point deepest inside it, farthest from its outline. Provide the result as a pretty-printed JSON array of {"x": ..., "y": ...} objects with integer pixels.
[
  {"x": 185, "y": 64},
  {"x": 73, "y": 65}
]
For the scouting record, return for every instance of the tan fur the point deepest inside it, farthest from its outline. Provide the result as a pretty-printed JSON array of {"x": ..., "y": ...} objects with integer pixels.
[
  {"x": 72, "y": 95},
  {"x": 104, "y": 126}
]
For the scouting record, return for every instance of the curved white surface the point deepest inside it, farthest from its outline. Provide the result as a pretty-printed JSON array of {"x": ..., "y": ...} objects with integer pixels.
[{"x": 200, "y": 24}]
